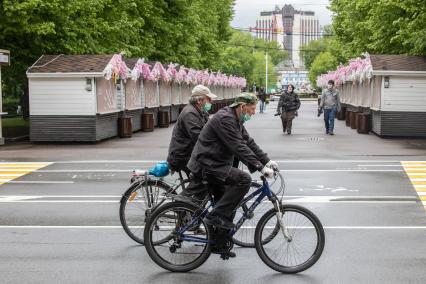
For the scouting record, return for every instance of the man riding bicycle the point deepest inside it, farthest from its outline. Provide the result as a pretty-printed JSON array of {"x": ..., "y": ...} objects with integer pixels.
[
  {"x": 191, "y": 120},
  {"x": 223, "y": 138}
]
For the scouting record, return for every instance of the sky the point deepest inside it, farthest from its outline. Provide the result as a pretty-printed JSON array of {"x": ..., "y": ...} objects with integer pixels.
[{"x": 246, "y": 11}]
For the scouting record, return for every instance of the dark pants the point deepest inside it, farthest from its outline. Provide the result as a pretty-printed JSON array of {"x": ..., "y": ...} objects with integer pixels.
[
  {"x": 227, "y": 194},
  {"x": 287, "y": 119},
  {"x": 329, "y": 115}
]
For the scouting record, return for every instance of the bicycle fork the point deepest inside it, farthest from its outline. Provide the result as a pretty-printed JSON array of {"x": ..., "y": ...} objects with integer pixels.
[{"x": 279, "y": 216}]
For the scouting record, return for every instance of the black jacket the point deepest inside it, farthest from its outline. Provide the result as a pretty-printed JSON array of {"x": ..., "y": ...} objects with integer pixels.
[
  {"x": 223, "y": 138},
  {"x": 262, "y": 95},
  {"x": 185, "y": 135},
  {"x": 288, "y": 102}
]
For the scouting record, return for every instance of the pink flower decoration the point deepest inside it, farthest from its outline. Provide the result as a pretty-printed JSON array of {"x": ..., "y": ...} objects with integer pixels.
[
  {"x": 159, "y": 72},
  {"x": 171, "y": 71}
]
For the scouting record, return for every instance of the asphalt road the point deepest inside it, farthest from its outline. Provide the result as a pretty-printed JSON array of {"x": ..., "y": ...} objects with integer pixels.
[{"x": 60, "y": 223}]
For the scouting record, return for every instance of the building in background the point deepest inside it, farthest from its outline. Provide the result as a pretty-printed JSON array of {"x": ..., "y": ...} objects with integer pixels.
[
  {"x": 269, "y": 26},
  {"x": 291, "y": 28},
  {"x": 297, "y": 77}
]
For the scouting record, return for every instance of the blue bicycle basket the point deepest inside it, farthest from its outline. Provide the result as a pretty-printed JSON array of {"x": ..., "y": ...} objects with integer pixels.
[{"x": 161, "y": 169}]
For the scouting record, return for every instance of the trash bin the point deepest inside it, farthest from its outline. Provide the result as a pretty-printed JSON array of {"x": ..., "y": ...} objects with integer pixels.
[
  {"x": 147, "y": 121},
  {"x": 341, "y": 115},
  {"x": 363, "y": 123},
  {"x": 348, "y": 117},
  {"x": 353, "y": 119},
  {"x": 125, "y": 128},
  {"x": 163, "y": 118}
]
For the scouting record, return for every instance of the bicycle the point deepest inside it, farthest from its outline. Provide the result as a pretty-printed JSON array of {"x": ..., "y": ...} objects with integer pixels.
[
  {"x": 147, "y": 192},
  {"x": 144, "y": 194},
  {"x": 170, "y": 231}
]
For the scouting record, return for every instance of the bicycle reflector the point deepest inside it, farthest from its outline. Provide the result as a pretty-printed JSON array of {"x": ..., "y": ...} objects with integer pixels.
[{"x": 161, "y": 169}]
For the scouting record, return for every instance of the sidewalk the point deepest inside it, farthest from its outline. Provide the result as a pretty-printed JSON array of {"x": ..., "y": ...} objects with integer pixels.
[{"x": 308, "y": 141}]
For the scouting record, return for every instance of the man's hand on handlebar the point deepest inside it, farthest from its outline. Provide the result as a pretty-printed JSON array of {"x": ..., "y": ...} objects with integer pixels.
[
  {"x": 267, "y": 172},
  {"x": 272, "y": 165}
]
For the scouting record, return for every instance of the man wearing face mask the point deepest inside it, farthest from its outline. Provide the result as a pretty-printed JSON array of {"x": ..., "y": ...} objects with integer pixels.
[
  {"x": 330, "y": 103},
  {"x": 223, "y": 138},
  {"x": 191, "y": 120}
]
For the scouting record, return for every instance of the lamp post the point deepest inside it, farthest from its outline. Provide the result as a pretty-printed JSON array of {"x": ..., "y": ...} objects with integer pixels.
[
  {"x": 4, "y": 61},
  {"x": 266, "y": 72}
]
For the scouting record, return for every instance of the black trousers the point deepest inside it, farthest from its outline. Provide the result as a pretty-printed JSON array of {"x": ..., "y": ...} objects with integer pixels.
[{"x": 227, "y": 194}]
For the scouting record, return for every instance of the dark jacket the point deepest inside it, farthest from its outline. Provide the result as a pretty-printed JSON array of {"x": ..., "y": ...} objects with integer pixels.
[
  {"x": 223, "y": 138},
  {"x": 288, "y": 102},
  {"x": 185, "y": 135},
  {"x": 262, "y": 95}
]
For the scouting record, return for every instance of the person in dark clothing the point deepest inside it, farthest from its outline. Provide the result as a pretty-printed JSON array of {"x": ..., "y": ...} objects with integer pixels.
[
  {"x": 288, "y": 105},
  {"x": 223, "y": 138},
  {"x": 262, "y": 99},
  {"x": 191, "y": 120}
]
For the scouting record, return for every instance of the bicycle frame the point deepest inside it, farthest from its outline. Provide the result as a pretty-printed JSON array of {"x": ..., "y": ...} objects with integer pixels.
[{"x": 261, "y": 193}]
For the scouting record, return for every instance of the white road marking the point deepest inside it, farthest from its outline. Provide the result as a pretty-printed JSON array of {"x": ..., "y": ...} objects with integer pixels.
[
  {"x": 155, "y": 161},
  {"x": 247, "y": 227},
  {"x": 288, "y": 199},
  {"x": 39, "y": 182},
  {"x": 129, "y": 171}
]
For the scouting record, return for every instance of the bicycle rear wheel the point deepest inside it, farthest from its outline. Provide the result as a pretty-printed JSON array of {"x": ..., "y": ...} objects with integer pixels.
[
  {"x": 172, "y": 249},
  {"x": 296, "y": 254},
  {"x": 134, "y": 204}
]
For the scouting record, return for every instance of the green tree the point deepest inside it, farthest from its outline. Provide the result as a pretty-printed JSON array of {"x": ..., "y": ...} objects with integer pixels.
[
  {"x": 189, "y": 32},
  {"x": 383, "y": 26},
  {"x": 245, "y": 56},
  {"x": 323, "y": 63}
]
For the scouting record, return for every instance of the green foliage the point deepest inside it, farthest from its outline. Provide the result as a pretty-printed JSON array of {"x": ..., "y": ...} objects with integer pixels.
[
  {"x": 327, "y": 43},
  {"x": 245, "y": 56},
  {"x": 383, "y": 26},
  {"x": 324, "y": 62},
  {"x": 189, "y": 32}
]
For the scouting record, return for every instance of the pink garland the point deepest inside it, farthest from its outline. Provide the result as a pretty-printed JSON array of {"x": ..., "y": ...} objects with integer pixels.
[
  {"x": 116, "y": 68},
  {"x": 171, "y": 71},
  {"x": 146, "y": 72},
  {"x": 358, "y": 70},
  {"x": 181, "y": 75},
  {"x": 159, "y": 72},
  {"x": 191, "y": 77}
]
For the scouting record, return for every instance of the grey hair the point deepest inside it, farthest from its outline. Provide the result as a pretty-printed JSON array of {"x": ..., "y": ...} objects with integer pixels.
[{"x": 195, "y": 99}]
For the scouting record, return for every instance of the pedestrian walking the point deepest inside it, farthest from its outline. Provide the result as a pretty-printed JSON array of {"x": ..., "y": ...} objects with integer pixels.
[
  {"x": 330, "y": 105},
  {"x": 288, "y": 105},
  {"x": 262, "y": 99}
]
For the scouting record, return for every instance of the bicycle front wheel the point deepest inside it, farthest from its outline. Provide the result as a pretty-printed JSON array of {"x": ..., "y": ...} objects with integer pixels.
[
  {"x": 134, "y": 205},
  {"x": 301, "y": 250}
]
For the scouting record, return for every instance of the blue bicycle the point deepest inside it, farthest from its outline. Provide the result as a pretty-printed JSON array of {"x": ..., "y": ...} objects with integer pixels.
[{"x": 288, "y": 238}]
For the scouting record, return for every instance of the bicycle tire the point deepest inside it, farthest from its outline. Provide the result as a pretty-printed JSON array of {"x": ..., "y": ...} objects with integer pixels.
[
  {"x": 127, "y": 224},
  {"x": 320, "y": 239},
  {"x": 149, "y": 243}
]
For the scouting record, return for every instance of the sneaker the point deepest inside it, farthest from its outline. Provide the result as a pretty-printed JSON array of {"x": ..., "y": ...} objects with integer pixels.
[
  {"x": 326, "y": 132},
  {"x": 215, "y": 250},
  {"x": 331, "y": 133},
  {"x": 218, "y": 222},
  {"x": 288, "y": 132}
]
